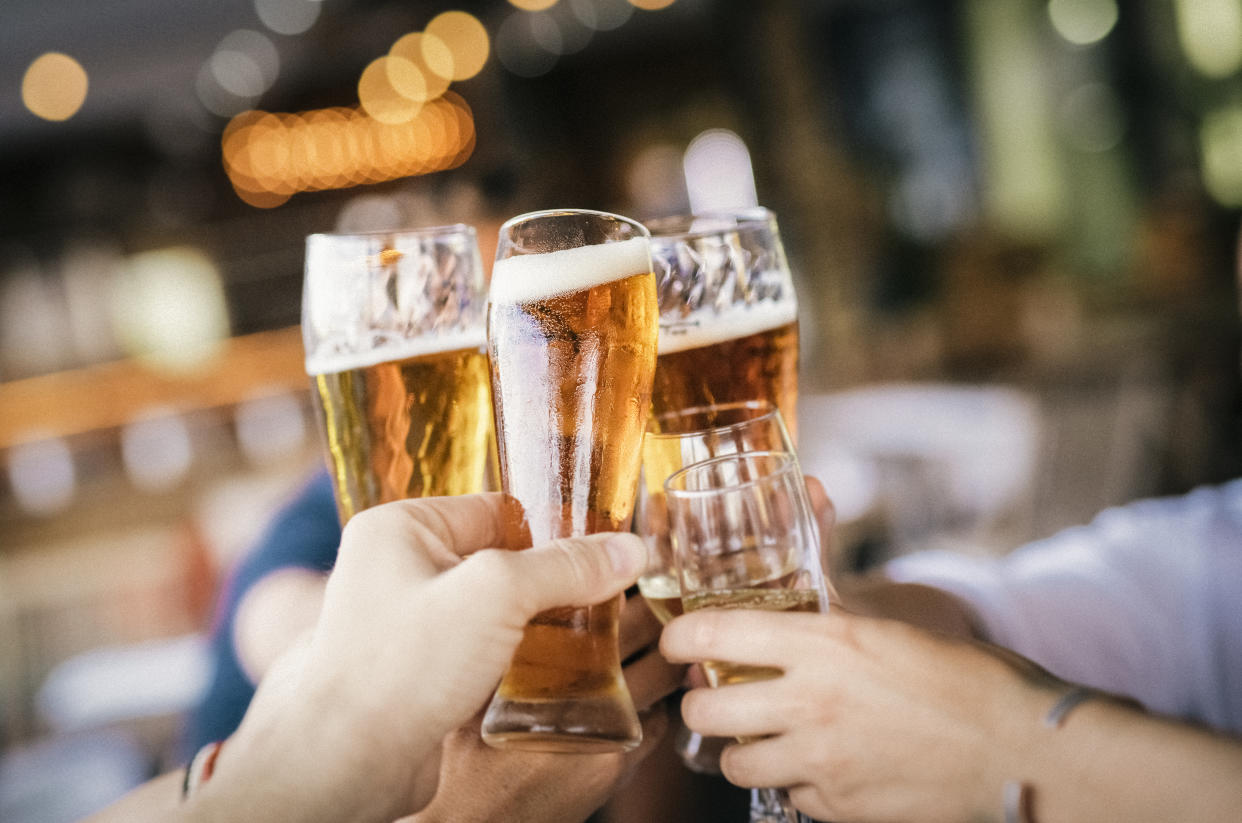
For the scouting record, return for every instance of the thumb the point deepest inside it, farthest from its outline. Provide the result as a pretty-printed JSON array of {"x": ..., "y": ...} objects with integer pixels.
[{"x": 576, "y": 571}]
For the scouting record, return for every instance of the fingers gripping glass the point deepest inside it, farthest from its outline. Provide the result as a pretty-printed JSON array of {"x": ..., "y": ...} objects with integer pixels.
[{"x": 744, "y": 537}]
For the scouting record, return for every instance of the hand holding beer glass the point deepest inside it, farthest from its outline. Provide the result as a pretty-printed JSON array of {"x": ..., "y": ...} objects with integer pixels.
[
  {"x": 744, "y": 538},
  {"x": 572, "y": 332},
  {"x": 393, "y": 326}
]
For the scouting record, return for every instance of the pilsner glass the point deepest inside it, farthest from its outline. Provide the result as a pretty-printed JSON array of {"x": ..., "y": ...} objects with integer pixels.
[
  {"x": 572, "y": 332},
  {"x": 393, "y": 326},
  {"x": 744, "y": 538},
  {"x": 728, "y": 312}
]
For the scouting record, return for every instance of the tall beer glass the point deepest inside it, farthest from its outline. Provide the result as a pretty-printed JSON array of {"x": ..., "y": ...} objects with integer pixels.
[
  {"x": 572, "y": 332},
  {"x": 394, "y": 329},
  {"x": 728, "y": 313}
]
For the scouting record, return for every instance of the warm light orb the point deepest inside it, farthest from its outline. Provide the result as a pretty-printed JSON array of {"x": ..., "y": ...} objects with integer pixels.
[
  {"x": 54, "y": 87},
  {"x": 651, "y": 5},
  {"x": 379, "y": 96},
  {"x": 430, "y": 58},
  {"x": 533, "y": 5},
  {"x": 466, "y": 40}
]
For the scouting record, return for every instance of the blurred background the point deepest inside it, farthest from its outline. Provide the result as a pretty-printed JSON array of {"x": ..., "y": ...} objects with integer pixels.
[{"x": 1012, "y": 224}]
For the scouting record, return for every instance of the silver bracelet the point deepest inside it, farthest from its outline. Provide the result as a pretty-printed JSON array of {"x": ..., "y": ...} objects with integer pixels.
[
  {"x": 1016, "y": 802},
  {"x": 1069, "y": 701},
  {"x": 1017, "y": 795}
]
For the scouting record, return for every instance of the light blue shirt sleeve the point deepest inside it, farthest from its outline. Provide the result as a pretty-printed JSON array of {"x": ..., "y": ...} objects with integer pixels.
[{"x": 1146, "y": 601}]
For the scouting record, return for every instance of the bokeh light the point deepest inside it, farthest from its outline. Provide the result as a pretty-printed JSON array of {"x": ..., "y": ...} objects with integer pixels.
[
  {"x": 380, "y": 97},
  {"x": 42, "y": 475},
  {"x": 269, "y": 157},
  {"x": 532, "y": 5},
  {"x": 270, "y": 427},
  {"x": 651, "y": 5},
  {"x": 1092, "y": 118},
  {"x": 288, "y": 16},
  {"x": 1210, "y": 32},
  {"x": 156, "y": 450},
  {"x": 54, "y": 86},
  {"x": 602, "y": 15},
  {"x": 169, "y": 308},
  {"x": 431, "y": 62},
  {"x": 520, "y": 44},
  {"x": 466, "y": 40},
  {"x": 1221, "y": 146},
  {"x": 1083, "y": 22},
  {"x": 245, "y": 63},
  {"x": 718, "y": 172}
]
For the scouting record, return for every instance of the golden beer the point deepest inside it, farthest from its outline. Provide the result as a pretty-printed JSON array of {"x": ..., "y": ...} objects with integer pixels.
[
  {"x": 572, "y": 336},
  {"x": 394, "y": 328},
  {"x": 725, "y": 673},
  {"x": 713, "y": 364},
  {"x": 415, "y": 427}
]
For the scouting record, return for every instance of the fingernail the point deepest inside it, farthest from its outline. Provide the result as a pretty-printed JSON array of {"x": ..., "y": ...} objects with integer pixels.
[{"x": 626, "y": 553}]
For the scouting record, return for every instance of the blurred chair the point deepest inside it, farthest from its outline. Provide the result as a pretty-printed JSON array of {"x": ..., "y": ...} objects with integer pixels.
[
  {"x": 65, "y": 778},
  {"x": 923, "y": 463}
]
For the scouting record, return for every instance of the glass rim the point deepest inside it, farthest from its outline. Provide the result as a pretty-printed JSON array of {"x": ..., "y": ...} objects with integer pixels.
[
  {"x": 767, "y": 407},
  {"x": 750, "y": 217},
  {"x": 544, "y": 213},
  {"x": 413, "y": 231},
  {"x": 788, "y": 462}
]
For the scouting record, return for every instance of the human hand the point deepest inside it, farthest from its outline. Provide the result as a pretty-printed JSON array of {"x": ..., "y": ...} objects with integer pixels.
[
  {"x": 480, "y": 784},
  {"x": 872, "y": 719},
  {"x": 411, "y": 642}
]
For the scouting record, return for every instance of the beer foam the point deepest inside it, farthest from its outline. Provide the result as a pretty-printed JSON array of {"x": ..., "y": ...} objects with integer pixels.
[
  {"x": 707, "y": 327},
  {"x": 531, "y": 277},
  {"x": 398, "y": 349}
]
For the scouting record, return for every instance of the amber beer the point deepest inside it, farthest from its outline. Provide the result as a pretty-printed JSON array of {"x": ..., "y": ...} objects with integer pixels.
[
  {"x": 744, "y": 353},
  {"x": 418, "y": 425},
  {"x": 572, "y": 336}
]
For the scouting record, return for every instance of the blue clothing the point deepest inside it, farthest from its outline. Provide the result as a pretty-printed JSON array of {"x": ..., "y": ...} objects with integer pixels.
[{"x": 306, "y": 533}]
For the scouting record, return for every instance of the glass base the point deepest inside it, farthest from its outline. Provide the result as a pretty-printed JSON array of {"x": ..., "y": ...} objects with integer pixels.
[{"x": 579, "y": 726}]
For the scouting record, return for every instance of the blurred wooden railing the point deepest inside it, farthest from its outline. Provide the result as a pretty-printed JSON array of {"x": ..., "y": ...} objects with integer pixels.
[{"x": 109, "y": 395}]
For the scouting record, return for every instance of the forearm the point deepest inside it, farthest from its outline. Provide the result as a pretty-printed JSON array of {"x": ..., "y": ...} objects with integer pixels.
[
  {"x": 156, "y": 800},
  {"x": 1112, "y": 762},
  {"x": 923, "y": 606}
]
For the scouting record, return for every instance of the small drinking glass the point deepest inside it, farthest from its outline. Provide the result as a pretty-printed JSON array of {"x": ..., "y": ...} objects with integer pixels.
[
  {"x": 743, "y": 537},
  {"x": 675, "y": 440}
]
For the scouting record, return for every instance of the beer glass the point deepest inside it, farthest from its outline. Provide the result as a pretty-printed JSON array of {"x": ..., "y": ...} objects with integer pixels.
[
  {"x": 728, "y": 312},
  {"x": 744, "y": 538},
  {"x": 572, "y": 330},
  {"x": 393, "y": 325},
  {"x": 679, "y": 439},
  {"x": 675, "y": 440}
]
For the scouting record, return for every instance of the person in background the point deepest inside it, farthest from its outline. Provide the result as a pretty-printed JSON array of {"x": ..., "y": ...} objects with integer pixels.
[
  {"x": 343, "y": 728},
  {"x": 972, "y": 710}
]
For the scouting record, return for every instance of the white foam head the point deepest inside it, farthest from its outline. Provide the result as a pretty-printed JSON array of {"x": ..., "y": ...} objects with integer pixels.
[
  {"x": 707, "y": 327},
  {"x": 399, "y": 349},
  {"x": 530, "y": 277}
]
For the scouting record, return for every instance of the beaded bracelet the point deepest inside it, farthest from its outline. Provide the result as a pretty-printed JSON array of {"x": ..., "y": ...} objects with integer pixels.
[{"x": 200, "y": 768}]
